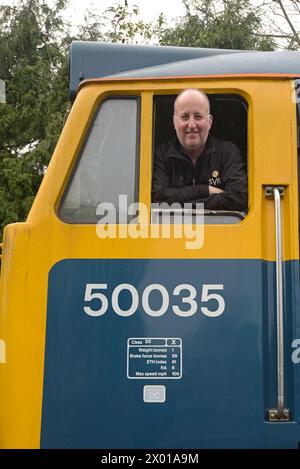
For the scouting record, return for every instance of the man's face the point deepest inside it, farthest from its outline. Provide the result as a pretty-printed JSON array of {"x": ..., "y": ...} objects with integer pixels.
[{"x": 192, "y": 121}]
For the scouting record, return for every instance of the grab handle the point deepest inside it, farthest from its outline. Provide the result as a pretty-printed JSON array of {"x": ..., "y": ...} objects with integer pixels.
[{"x": 280, "y": 413}]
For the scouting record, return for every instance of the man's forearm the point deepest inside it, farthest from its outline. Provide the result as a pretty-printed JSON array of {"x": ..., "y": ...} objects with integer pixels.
[{"x": 180, "y": 194}]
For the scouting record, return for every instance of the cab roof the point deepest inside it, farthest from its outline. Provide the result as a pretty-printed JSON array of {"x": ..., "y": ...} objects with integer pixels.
[{"x": 90, "y": 60}]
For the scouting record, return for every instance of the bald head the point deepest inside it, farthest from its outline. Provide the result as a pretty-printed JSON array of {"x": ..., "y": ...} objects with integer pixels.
[
  {"x": 192, "y": 121},
  {"x": 192, "y": 92}
]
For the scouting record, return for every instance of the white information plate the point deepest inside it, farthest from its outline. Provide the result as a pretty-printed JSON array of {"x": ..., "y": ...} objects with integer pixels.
[{"x": 154, "y": 358}]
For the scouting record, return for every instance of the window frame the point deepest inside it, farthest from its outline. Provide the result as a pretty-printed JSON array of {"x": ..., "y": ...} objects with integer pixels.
[
  {"x": 137, "y": 156},
  {"x": 211, "y": 217}
]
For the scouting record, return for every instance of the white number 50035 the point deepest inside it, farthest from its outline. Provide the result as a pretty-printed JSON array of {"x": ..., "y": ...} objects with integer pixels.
[{"x": 97, "y": 291}]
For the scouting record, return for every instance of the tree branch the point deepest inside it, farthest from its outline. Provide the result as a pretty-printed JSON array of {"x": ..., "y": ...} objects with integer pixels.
[
  {"x": 282, "y": 36},
  {"x": 296, "y": 36}
]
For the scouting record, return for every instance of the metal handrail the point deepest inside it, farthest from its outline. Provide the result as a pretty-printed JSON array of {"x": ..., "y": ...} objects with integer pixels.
[{"x": 281, "y": 413}]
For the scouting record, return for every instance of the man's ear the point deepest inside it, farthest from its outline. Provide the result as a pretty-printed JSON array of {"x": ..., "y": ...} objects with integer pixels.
[
  {"x": 174, "y": 120},
  {"x": 210, "y": 120}
]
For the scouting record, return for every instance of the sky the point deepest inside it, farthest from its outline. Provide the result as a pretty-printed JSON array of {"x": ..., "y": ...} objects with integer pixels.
[{"x": 149, "y": 9}]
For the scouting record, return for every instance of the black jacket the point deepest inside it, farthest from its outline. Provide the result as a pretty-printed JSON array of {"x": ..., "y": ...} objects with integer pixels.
[{"x": 176, "y": 179}]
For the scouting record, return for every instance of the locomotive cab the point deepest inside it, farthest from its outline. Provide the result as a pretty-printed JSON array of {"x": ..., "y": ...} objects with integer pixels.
[{"x": 120, "y": 334}]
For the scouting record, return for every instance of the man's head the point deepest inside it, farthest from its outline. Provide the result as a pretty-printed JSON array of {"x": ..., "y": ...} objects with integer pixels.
[{"x": 192, "y": 120}]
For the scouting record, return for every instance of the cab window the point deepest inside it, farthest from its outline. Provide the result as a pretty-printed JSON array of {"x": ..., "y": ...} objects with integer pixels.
[
  {"x": 108, "y": 164},
  {"x": 230, "y": 120}
]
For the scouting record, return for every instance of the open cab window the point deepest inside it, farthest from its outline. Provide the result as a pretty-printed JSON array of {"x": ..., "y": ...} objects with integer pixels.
[{"x": 230, "y": 121}]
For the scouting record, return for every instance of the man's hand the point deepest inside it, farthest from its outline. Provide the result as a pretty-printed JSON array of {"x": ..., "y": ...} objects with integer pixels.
[{"x": 214, "y": 190}]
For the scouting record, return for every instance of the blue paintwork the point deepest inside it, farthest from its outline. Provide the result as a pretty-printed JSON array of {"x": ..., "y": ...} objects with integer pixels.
[
  {"x": 95, "y": 59},
  {"x": 229, "y": 376},
  {"x": 89, "y": 60}
]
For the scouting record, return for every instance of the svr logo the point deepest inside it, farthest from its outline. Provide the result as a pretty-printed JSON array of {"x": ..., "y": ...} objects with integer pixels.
[
  {"x": 214, "y": 181},
  {"x": 97, "y": 296}
]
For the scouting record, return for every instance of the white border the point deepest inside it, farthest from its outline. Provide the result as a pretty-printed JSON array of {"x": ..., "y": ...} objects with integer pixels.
[{"x": 154, "y": 338}]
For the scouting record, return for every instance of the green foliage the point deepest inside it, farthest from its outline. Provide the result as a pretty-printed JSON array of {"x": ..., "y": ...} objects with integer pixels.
[
  {"x": 118, "y": 24},
  {"x": 227, "y": 24},
  {"x": 126, "y": 27},
  {"x": 16, "y": 191},
  {"x": 34, "y": 66}
]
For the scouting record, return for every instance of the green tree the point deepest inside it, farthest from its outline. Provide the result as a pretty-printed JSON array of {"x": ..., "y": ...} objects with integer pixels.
[
  {"x": 33, "y": 64},
  {"x": 226, "y": 24}
]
